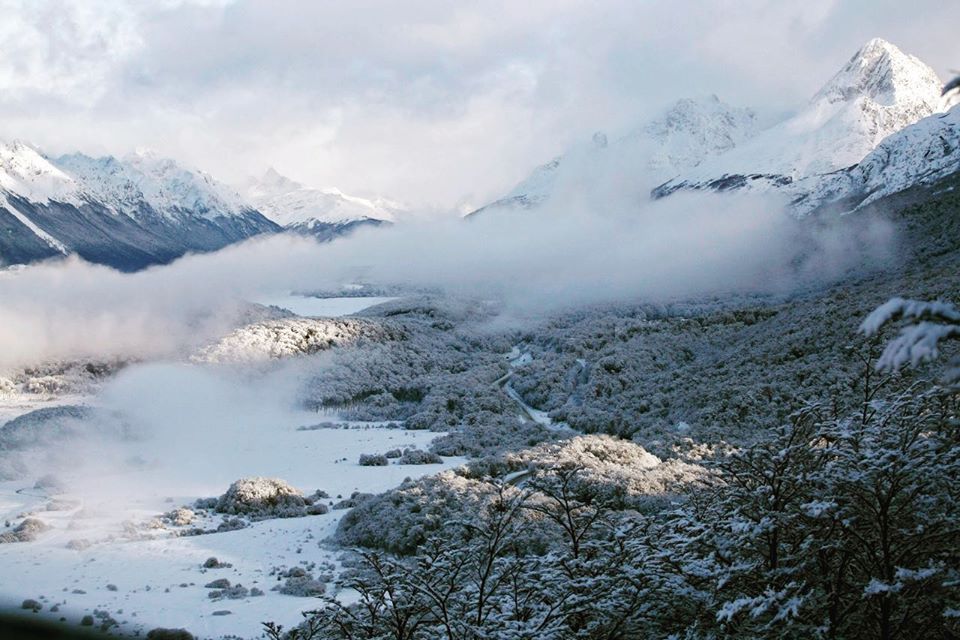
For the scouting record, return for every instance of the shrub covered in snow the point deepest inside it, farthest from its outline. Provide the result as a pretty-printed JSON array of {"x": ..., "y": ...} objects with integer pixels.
[
  {"x": 31, "y": 605},
  {"x": 415, "y": 456},
  {"x": 403, "y": 518},
  {"x": 373, "y": 460},
  {"x": 356, "y": 498},
  {"x": 43, "y": 426},
  {"x": 213, "y": 563},
  {"x": 301, "y": 586},
  {"x": 619, "y": 473},
  {"x": 235, "y": 592},
  {"x": 259, "y": 497},
  {"x": 180, "y": 517},
  {"x": 26, "y": 531}
]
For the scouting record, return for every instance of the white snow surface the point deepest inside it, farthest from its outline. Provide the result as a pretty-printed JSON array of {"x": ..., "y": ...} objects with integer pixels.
[
  {"x": 144, "y": 177},
  {"x": 692, "y": 131},
  {"x": 203, "y": 433},
  {"x": 289, "y": 203},
  {"x": 25, "y": 172}
]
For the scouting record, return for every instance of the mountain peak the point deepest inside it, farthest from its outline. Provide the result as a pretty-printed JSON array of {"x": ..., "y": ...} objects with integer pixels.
[
  {"x": 883, "y": 73},
  {"x": 24, "y": 171},
  {"x": 271, "y": 183},
  {"x": 147, "y": 177},
  {"x": 291, "y": 204}
]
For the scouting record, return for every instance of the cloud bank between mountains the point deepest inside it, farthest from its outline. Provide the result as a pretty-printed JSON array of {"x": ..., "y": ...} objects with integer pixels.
[{"x": 572, "y": 252}]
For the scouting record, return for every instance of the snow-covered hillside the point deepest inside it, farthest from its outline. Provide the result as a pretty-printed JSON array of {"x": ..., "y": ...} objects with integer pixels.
[
  {"x": 144, "y": 178},
  {"x": 846, "y": 143},
  {"x": 875, "y": 128},
  {"x": 25, "y": 172},
  {"x": 127, "y": 213},
  {"x": 315, "y": 211},
  {"x": 690, "y": 131},
  {"x": 919, "y": 154}
]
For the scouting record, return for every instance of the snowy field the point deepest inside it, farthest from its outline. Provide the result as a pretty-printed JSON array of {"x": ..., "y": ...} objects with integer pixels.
[
  {"x": 149, "y": 574},
  {"x": 190, "y": 430}
]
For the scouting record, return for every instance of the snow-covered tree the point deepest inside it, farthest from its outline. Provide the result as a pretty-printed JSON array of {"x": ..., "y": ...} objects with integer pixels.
[{"x": 927, "y": 326}]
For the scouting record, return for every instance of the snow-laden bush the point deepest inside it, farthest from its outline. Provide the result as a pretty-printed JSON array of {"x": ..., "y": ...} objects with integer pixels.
[
  {"x": 46, "y": 425},
  {"x": 373, "y": 460},
  {"x": 618, "y": 473},
  {"x": 402, "y": 519},
  {"x": 928, "y": 326},
  {"x": 301, "y": 586},
  {"x": 59, "y": 377},
  {"x": 180, "y": 517},
  {"x": 415, "y": 456},
  {"x": 26, "y": 531},
  {"x": 259, "y": 497}
]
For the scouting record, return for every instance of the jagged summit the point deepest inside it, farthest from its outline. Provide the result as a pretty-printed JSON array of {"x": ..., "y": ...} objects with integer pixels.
[
  {"x": 298, "y": 207},
  {"x": 128, "y": 213},
  {"x": 144, "y": 177},
  {"x": 271, "y": 183},
  {"x": 885, "y": 74},
  {"x": 878, "y": 92},
  {"x": 24, "y": 171},
  {"x": 692, "y": 130}
]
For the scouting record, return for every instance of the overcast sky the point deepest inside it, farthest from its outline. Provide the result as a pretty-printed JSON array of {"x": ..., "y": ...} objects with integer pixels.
[{"x": 440, "y": 104}]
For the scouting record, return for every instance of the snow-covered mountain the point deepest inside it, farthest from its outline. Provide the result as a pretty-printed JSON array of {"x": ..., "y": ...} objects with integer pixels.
[
  {"x": 323, "y": 213},
  {"x": 146, "y": 178},
  {"x": 919, "y": 154},
  {"x": 127, "y": 213},
  {"x": 879, "y": 92},
  {"x": 686, "y": 134},
  {"x": 876, "y": 127}
]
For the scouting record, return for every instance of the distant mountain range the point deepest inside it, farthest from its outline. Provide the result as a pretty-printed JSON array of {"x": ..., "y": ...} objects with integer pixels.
[
  {"x": 878, "y": 126},
  {"x": 127, "y": 213},
  {"x": 140, "y": 210},
  {"x": 323, "y": 213}
]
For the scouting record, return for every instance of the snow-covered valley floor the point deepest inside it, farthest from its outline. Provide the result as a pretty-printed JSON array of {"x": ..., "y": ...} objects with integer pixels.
[
  {"x": 189, "y": 431},
  {"x": 159, "y": 582}
]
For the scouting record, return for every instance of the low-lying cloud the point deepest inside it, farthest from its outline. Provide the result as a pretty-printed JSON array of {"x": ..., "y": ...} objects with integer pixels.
[{"x": 571, "y": 251}]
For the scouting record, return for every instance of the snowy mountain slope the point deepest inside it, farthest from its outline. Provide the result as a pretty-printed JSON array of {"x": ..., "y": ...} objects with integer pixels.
[
  {"x": 682, "y": 137},
  {"x": 126, "y": 213},
  {"x": 145, "y": 178},
  {"x": 320, "y": 212},
  {"x": 919, "y": 154},
  {"x": 878, "y": 92},
  {"x": 692, "y": 131},
  {"x": 25, "y": 172}
]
